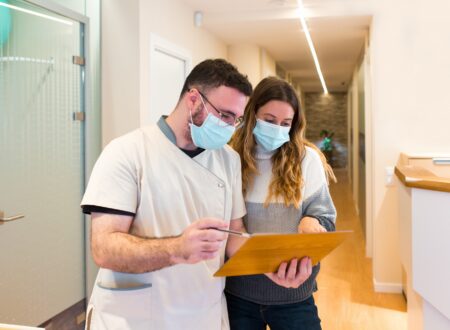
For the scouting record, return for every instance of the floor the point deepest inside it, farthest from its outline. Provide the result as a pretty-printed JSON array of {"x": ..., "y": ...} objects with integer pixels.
[
  {"x": 70, "y": 319},
  {"x": 346, "y": 299}
]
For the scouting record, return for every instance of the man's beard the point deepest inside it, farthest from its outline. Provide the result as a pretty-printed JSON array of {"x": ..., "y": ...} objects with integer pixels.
[{"x": 196, "y": 119}]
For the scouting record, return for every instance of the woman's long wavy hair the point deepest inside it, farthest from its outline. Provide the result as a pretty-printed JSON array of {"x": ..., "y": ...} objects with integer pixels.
[{"x": 286, "y": 179}]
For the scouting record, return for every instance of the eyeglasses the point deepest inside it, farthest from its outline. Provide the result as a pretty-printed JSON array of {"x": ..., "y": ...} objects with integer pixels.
[{"x": 228, "y": 118}]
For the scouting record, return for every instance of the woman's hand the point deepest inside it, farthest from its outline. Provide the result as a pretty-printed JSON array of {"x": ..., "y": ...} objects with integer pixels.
[
  {"x": 310, "y": 225},
  {"x": 234, "y": 242},
  {"x": 294, "y": 275}
]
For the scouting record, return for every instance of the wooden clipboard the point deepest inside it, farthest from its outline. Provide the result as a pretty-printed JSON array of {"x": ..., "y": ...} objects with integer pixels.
[{"x": 263, "y": 253}]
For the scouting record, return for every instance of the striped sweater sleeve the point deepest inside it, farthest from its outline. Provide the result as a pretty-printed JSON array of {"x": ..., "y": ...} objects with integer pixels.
[{"x": 317, "y": 202}]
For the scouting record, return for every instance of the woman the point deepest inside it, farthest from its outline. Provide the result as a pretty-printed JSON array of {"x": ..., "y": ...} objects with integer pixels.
[{"x": 285, "y": 185}]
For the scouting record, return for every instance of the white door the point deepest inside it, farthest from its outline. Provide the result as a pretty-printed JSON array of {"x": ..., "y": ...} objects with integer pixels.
[
  {"x": 169, "y": 66},
  {"x": 41, "y": 164}
]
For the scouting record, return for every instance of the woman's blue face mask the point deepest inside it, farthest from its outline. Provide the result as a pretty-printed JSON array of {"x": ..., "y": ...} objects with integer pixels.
[
  {"x": 270, "y": 136},
  {"x": 213, "y": 133}
]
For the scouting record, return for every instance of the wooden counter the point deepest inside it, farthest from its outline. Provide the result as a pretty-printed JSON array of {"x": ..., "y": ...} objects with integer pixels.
[
  {"x": 424, "y": 224},
  {"x": 418, "y": 177}
]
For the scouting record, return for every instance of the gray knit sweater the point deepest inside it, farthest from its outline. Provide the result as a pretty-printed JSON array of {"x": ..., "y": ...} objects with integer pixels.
[{"x": 277, "y": 218}]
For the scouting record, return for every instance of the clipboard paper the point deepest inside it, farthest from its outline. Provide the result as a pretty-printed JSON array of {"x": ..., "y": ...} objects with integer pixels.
[{"x": 263, "y": 253}]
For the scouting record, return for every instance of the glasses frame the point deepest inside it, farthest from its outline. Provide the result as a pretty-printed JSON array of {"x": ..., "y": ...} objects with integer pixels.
[{"x": 236, "y": 120}]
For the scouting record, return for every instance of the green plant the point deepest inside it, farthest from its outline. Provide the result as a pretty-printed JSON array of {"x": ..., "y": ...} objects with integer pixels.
[{"x": 327, "y": 140}]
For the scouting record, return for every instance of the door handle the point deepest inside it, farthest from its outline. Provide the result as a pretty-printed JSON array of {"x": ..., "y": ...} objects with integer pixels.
[{"x": 12, "y": 218}]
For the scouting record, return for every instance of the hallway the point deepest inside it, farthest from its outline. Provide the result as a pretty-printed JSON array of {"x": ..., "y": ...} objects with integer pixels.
[{"x": 345, "y": 299}]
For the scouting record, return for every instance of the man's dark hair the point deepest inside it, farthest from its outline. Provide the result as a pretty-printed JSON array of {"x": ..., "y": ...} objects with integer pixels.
[{"x": 214, "y": 73}]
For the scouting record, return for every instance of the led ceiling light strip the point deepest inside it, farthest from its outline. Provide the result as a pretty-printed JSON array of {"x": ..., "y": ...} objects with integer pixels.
[
  {"x": 311, "y": 46},
  {"x": 31, "y": 12}
]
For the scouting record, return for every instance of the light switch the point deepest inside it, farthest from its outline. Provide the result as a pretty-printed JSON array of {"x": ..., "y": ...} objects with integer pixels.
[{"x": 389, "y": 176}]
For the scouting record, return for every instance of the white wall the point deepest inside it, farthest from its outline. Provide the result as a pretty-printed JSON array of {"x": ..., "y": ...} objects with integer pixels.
[
  {"x": 247, "y": 59},
  {"x": 268, "y": 65},
  {"x": 368, "y": 144},
  {"x": 120, "y": 68},
  {"x": 410, "y": 60},
  {"x": 355, "y": 138},
  {"x": 127, "y": 26},
  {"x": 253, "y": 61},
  {"x": 300, "y": 93},
  {"x": 173, "y": 21}
]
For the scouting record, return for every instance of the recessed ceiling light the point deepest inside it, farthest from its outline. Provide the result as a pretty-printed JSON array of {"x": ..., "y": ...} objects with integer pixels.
[
  {"x": 279, "y": 3},
  {"x": 311, "y": 45},
  {"x": 31, "y": 12}
]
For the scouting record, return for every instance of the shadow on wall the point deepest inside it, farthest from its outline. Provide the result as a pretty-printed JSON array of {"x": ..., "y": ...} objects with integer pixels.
[{"x": 328, "y": 113}]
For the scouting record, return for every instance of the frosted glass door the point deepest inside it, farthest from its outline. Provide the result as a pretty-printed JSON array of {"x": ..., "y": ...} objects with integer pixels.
[{"x": 41, "y": 164}]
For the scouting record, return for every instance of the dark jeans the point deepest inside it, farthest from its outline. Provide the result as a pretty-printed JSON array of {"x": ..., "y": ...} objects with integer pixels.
[{"x": 246, "y": 315}]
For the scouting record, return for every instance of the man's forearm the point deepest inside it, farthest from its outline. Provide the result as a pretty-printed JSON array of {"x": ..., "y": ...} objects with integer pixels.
[{"x": 126, "y": 253}]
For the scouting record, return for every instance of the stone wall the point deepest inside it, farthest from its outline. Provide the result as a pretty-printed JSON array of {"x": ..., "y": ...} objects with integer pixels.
[{"x": 328, "y": 112}]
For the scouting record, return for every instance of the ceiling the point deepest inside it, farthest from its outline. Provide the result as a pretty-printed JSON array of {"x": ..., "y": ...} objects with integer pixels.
[{"x": 337, "y": 27}]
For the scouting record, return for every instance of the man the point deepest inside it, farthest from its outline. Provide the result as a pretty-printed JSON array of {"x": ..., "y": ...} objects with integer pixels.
[{"x": 155, "y": 196}]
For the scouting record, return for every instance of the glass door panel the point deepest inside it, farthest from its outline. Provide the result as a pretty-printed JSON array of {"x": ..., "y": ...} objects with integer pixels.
[{"x": 41, "y": 164}]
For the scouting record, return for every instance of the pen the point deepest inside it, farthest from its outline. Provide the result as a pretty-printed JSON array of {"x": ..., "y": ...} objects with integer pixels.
[{"x": 233, "y": 232}]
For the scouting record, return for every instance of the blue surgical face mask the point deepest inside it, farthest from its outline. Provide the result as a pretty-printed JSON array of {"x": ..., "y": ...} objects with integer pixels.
[
  {"x": 213, "y": 134},
  {"x": 270, "y": 136}
]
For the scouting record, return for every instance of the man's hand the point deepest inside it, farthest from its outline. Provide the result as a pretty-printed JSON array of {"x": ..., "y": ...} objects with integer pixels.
[
  {"x": 294, "y": 275},
  {"x": 199, "y": 242},
  {"x": 309, "y": 225}
]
